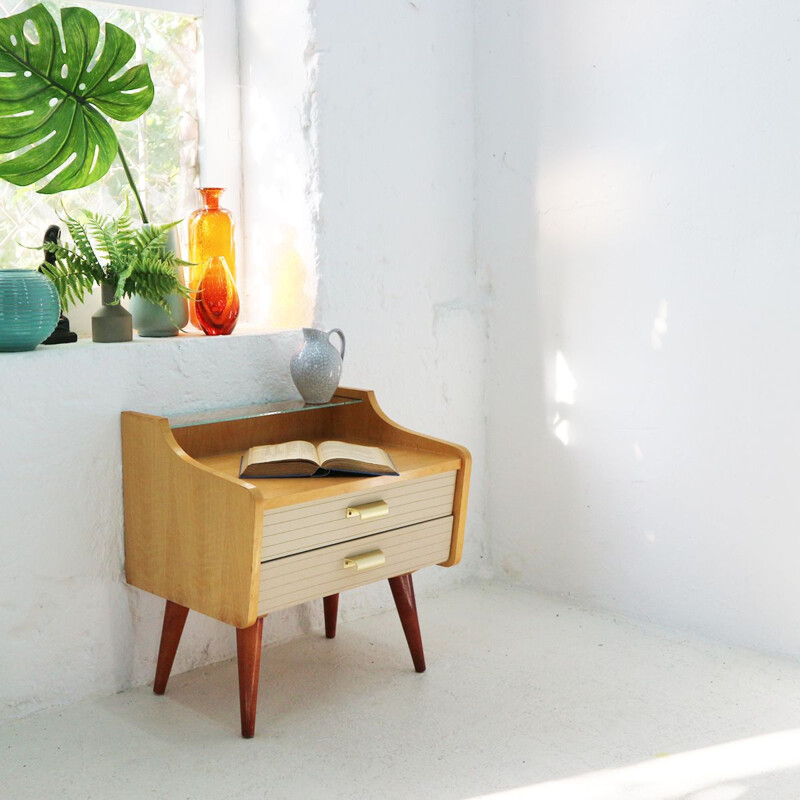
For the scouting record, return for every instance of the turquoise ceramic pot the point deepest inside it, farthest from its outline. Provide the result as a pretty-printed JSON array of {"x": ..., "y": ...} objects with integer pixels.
[{"x": 28, "y": 309}]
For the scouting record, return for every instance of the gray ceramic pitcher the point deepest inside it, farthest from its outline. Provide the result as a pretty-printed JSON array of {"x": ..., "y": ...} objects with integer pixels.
[{"x": 317, "y": 366}]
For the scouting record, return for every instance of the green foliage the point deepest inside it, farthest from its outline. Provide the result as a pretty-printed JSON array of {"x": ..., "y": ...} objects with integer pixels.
[
  {"x": 52, "y": 105},
  {"x": 161, "y": 145},
  {"x": 115, "y": 252}
]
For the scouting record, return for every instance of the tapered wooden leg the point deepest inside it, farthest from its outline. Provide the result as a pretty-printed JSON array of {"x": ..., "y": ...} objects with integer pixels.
[
  {"x": 403, "y": 592},
  {"x": 331, "y": 606},
  {"x": 248, "y": 652},
  {"x": 174, "y": 620}
]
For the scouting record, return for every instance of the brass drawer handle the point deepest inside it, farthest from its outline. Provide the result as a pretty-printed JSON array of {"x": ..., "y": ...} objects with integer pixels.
[
  {"x": 375, "y": 558},
  {"x": 380, "y": 508}
]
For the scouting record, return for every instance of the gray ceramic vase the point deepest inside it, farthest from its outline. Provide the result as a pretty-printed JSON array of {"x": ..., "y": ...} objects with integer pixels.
[
  {"x": 152, "y": 320},
  {"x": 112, "y": 323},
  {"x": 317, "y": 366}
]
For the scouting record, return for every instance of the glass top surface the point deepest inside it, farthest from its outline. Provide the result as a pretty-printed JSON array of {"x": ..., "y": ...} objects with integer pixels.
[{"x": 249, "y": 412}]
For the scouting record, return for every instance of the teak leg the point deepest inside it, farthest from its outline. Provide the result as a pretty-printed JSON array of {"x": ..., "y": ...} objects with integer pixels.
[
  {"x": 248, "y": 652},
  {"x": 330, "y": 605},
  {"x": 174, "y": 620},
  {"x": 403, "y": 592}
]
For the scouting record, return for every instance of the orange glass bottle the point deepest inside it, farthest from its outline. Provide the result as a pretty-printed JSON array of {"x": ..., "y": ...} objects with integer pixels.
[
  {"x": 217, "y": 301},
  {"x": 210, "y": 234}
]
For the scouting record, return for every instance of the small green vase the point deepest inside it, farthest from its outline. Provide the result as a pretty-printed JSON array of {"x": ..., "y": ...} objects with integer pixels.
[{"x": 28, "y": 309}]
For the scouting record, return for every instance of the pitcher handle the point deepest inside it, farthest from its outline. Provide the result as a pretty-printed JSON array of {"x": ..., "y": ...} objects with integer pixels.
[{"x": 341, "y": 336}]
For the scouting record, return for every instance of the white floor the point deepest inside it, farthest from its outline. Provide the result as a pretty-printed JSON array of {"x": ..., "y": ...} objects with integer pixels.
[{"x": 524, "y": 697}]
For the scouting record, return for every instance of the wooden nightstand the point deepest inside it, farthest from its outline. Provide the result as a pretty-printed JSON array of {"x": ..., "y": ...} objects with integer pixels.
[{"x": 203, "y": 539}]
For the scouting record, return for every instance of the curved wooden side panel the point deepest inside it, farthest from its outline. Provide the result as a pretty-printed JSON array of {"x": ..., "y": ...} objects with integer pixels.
[
  {"x": 367, "y": 422},
  {"x": 192, "y": 535}
]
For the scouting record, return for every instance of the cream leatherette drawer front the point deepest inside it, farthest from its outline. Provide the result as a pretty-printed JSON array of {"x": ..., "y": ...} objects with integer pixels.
[
  {"x": 308, "y": 526},
  {"x": 306, "y": 576}
]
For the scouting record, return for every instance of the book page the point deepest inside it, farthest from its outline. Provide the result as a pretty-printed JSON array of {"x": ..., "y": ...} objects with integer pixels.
[
  {"x": 329, "y": 451},
  {"x": 285, "y": 451}
]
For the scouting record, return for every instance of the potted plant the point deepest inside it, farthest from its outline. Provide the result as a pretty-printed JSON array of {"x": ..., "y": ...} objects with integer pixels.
[
  {"x": 121, "y": 258},
  {"x": 55, "y": 106}
]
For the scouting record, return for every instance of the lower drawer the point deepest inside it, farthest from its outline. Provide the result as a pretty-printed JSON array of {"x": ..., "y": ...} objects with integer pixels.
[{"x": 306, "y": 576}]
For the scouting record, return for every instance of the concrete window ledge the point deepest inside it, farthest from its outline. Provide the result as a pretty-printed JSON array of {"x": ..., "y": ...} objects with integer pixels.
[{"x": 150, "y": 374}]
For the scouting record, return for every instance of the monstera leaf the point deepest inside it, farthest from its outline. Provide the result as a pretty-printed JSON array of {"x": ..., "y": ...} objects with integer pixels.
[{"x": 53, "y": 98}]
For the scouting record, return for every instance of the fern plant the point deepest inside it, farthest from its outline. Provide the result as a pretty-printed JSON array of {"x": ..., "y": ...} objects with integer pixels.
[{"x": 114, "y": 252}]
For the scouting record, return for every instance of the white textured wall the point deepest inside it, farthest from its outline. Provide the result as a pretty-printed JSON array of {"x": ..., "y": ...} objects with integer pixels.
[
  {"x": 396, "y": 251},
  {"x": 639, "y": 208},
  {"x": 69, "y": 625}
]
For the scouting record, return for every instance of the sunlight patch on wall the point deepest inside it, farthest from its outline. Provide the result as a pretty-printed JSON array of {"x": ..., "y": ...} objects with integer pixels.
[
  {"x": 290, "y": 292},
  {"x": 280, "y": 162},
  {"x": 565, "y": 381},
  {"x": 561, "y": 429},
  {"x": 659, "y": 329},
  {"x": 565, "y": 389}
]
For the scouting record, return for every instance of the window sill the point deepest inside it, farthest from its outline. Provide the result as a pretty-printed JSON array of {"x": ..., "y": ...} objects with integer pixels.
[
  {"x": 82, "y": 382},
  {"x": 183, "y": 337}
]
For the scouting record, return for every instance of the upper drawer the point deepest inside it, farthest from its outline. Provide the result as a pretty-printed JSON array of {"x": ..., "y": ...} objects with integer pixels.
[{"x": 306, "y": 526}]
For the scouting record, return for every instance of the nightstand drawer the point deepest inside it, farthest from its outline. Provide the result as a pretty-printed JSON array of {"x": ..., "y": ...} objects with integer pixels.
[
  {"x": 308, "y": 526},
  {"x": 295, "y": 579}
]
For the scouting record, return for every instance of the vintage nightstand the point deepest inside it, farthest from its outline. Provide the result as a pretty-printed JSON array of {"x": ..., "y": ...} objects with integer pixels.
[{"x": 203, "y": 539}]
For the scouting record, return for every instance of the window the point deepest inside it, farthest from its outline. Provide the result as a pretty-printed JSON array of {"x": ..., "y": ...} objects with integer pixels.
[
  {"x": 161, "y": 146},
  {"x": 190, "y": 46}
]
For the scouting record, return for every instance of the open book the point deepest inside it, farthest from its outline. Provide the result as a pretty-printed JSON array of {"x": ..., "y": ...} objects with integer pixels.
[{"x": 302, "y": 459}]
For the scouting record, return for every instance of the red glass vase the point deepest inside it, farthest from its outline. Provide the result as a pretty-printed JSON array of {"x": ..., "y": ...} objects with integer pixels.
[{"x": 216, "y": 303}]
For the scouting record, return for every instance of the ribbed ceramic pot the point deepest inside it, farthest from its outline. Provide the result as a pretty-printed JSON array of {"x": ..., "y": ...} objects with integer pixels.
[{"x": 28, "y": 309}]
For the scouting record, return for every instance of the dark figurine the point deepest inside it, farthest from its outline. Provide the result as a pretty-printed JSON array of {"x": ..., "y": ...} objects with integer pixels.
[{"x": 62, "y": 334}]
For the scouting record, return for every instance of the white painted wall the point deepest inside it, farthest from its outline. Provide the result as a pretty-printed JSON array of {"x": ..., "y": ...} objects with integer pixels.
[
  {"x": 639, "y": 209},
  {"x": 397, "y": 267},
  {"x": 69, "y": 625}
]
